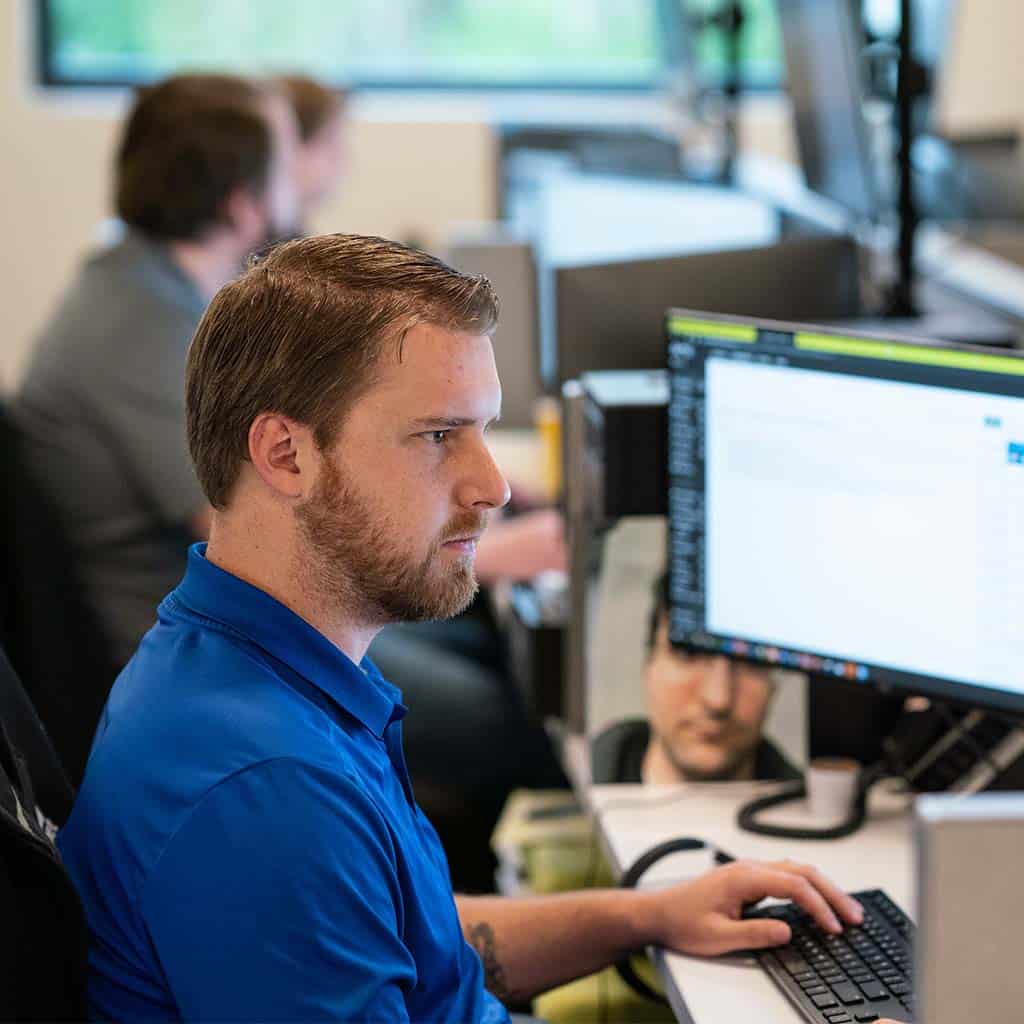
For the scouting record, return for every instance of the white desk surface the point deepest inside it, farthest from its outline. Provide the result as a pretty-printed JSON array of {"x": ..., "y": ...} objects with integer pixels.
[{"x": 631, "y": 819}]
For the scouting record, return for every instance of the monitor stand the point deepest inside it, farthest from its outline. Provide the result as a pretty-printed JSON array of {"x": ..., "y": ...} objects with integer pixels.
[{"x": 849, "y": 719}]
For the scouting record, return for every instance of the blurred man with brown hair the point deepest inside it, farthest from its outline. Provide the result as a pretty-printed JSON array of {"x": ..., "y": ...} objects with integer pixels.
[{"x": 203, "y": 177}]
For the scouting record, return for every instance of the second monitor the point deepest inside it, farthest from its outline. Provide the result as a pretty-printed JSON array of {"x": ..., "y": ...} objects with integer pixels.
[{"x": 610, "y": 316}]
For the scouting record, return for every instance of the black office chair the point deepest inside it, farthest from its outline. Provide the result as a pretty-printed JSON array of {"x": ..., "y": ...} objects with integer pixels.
[
  {"x": 53, "y": 638},
  {"x": 43, "y": 936},
  {"x": 53, "y": 793}
]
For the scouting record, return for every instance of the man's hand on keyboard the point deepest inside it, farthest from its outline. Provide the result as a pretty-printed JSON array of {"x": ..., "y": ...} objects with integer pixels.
[{"x": 704, "y": 917}]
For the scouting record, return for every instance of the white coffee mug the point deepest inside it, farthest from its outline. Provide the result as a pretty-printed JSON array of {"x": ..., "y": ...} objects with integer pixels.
[{"x": 831, "y": 787}]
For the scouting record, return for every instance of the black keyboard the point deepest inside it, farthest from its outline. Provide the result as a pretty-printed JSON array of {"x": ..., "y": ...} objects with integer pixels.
[{"x": 858, "y": 976}]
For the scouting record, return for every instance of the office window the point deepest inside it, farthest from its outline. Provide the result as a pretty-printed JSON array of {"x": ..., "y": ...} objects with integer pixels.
[{"x": 626, "y": 44}]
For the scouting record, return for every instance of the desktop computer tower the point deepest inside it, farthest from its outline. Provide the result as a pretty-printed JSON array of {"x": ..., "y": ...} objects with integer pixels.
[{"x": 625, "y": 425}]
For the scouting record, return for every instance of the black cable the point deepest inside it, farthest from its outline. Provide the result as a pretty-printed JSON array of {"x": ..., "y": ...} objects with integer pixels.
[{"x": 747, "y": 818}]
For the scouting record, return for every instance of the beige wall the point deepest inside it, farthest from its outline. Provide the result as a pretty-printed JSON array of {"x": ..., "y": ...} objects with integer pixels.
[{"x": 409, "y": 178}]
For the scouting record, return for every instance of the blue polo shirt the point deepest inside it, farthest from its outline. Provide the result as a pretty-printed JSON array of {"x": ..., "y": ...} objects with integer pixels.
[{"x": 246, "y": 842}]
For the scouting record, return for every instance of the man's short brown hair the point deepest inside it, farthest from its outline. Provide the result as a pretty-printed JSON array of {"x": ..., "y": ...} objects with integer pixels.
[
  {"x": 299, "y": 334},
  {"x": 315, "y": 105},
  {"x": 188, "y": 144}
]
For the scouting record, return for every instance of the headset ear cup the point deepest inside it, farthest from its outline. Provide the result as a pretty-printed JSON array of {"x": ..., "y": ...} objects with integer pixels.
[{"x": 629, "y": 879}]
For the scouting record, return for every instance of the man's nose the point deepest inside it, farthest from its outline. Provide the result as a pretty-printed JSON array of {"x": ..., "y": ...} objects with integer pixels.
[
  {"x": 717, "y": 686},
  {"x": 483, "y": 485}
]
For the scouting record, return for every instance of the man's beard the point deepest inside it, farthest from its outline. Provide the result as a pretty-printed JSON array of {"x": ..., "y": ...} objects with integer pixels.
[{"x": 352, "y": 560}]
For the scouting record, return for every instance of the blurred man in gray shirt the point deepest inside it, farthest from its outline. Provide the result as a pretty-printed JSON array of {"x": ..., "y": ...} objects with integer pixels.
[{"x": 204, "y": 177}]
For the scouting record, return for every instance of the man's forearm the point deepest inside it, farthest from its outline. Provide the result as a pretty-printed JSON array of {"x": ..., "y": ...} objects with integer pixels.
[{"x": 531, "y": 945}]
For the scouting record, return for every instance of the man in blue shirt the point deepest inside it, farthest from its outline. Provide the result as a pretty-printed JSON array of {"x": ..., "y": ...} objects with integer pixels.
[{"x": 246, "y": 841}]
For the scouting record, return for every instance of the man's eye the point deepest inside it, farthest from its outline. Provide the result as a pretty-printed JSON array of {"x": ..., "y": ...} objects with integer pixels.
[{"x": 438, "y": 436}]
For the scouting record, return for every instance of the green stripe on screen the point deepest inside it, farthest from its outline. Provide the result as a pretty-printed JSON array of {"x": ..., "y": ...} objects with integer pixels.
[
  {"x": 870, "y": 349},
  {"x": 712, "y": 329}
]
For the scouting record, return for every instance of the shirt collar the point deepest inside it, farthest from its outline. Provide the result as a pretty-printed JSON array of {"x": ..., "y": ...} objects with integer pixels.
[
  {"x": 138, "y": 248},
  {"x": 209, "y": 591}
]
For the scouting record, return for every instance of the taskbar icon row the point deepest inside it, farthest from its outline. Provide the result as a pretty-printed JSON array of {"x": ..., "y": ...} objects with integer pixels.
[{"x": 784, "y": 658}]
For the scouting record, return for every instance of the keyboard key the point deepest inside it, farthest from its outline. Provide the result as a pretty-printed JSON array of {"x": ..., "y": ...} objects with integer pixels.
[
  {"x": 793, "y": 962},
  {"x": 874, "y": 990},
  {"x": 900, "y": 988},
  {"x": 848, "y": 994},
  {"x": 823, "y": 1002},
  {"x": 837, "y": 1017},
  {"x": 863, "y": 1016}
]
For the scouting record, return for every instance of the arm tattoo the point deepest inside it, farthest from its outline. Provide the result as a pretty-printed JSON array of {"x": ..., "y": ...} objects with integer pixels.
[{"x": 481, "y": 938}]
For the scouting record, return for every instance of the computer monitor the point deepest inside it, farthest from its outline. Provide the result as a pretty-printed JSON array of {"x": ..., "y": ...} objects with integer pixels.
[
  {"x": 508, "y": 261},
  {"x": 827, "y": 88},
  {"x": 848, "y": 505},
  {"x": 969, "y": 905},
  {"x": 610, "y": 316}
]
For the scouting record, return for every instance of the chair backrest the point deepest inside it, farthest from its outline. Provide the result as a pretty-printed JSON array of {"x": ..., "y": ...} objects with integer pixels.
[
  {"x": 53, "y": 639},
  {"x": 43, "y": 936},
  {"x": 50, "y": 785}
]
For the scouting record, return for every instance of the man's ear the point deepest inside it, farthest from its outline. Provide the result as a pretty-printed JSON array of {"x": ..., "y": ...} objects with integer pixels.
[
  {"x": 284, "y": 454},
  {"x": 244, "y": 212}
]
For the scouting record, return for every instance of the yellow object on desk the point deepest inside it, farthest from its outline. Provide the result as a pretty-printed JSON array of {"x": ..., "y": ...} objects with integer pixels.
[
  {"x": 545, "y": 843},
  {"x": 548, "y": 417}
]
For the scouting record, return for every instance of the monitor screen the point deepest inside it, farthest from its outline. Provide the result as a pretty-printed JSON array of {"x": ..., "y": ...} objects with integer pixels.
[
  {"x": 848, "y": 505},
  {"x": 822, "y": 40}
]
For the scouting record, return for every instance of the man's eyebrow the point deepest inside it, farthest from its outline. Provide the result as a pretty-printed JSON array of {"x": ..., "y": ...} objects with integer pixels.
[{"x": 448, "y": 422}]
